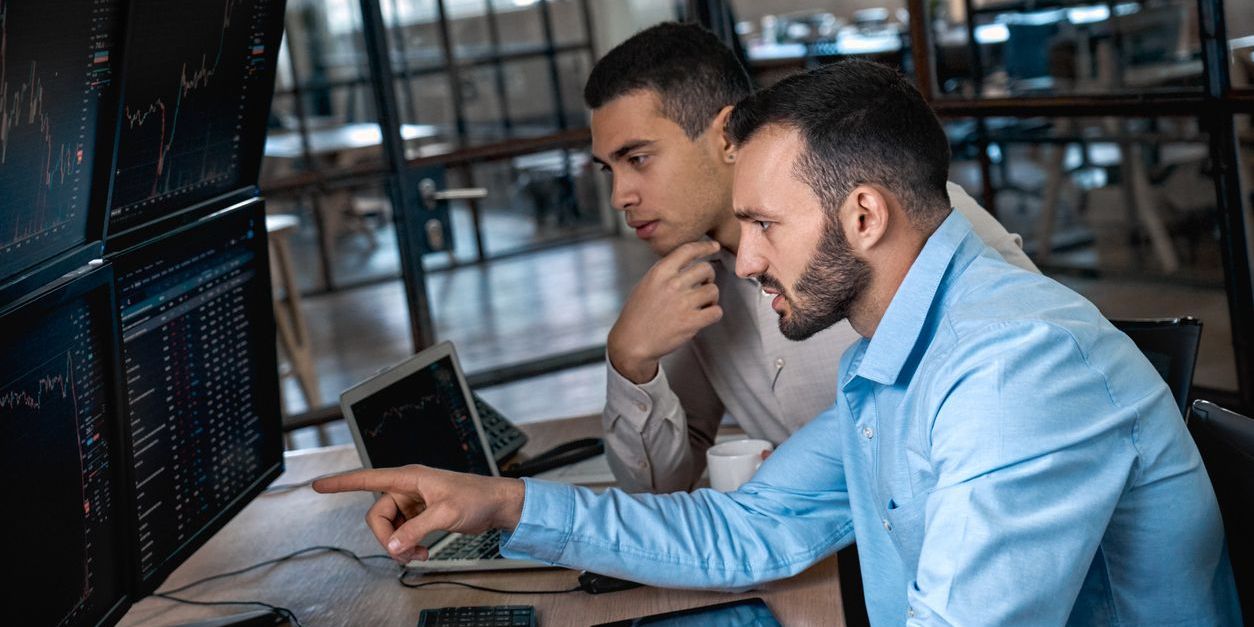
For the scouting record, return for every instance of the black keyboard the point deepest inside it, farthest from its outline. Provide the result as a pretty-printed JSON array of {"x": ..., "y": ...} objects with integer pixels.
[
  {"x": 504, "y": 438},
  {"x": 479, "y": 616},
  {"x": 482, "y": 547}
]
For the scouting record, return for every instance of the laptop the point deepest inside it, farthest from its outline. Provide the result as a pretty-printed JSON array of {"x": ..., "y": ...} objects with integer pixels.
[{"x": 422, "y": 412}]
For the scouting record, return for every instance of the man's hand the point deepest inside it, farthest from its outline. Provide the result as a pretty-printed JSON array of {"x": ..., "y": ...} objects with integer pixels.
[
  {"x": 675, "y": 299},
  {"x": 418, "y": 500}
]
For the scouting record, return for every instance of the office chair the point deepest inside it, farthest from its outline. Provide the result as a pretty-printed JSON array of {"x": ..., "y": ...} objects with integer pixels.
[
  {"x": 1170, "y": 344},
  {"x": 1226, "y": 442}
]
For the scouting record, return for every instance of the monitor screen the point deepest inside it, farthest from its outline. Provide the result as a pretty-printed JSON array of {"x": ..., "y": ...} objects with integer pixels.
[
  {"x": 199, "y": 76},
  {"x": 422, "y": 419},
  {"x": 57, "y": 112},
  {"x": 201, "y": 382},
  {"x": 63, "y": 538}
]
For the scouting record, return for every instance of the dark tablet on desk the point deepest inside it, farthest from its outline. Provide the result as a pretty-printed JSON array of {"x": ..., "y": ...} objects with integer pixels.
[{"x": 743, "y": 613}]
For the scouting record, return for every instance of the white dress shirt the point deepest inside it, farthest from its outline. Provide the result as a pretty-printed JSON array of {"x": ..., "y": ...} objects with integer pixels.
[{"x": 656, "y": 434}]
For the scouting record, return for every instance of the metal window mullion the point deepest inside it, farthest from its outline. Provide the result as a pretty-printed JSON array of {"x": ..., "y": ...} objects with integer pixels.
[{"x": 1219, "y": 120}]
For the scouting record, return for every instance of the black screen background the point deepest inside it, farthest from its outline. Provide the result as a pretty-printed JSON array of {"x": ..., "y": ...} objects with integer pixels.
[{"x": 422, "y": 419}]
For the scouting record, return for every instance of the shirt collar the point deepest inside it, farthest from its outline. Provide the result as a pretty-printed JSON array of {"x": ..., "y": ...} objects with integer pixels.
[{"x": 898, "y": 332}]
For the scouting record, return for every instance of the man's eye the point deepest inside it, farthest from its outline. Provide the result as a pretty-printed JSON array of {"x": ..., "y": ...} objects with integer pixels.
[
  {"x": 637, "y": 160},
  {"x": 762, "y": 225},
  {"x": 606, "y": 169}
]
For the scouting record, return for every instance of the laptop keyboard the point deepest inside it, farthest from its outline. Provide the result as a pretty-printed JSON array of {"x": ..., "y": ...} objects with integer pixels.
[
  {"x": 504, "y": 438},
  {"x": 481, "y": 547}
]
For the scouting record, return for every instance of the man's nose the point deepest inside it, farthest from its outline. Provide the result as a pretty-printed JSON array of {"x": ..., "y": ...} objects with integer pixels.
[
  {"x": 623, "y": 196},
  {"x": 749, "y": 260}
]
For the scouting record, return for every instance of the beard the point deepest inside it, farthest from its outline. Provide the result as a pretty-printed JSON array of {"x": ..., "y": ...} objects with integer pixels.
[{"x": 824, "y": 294}]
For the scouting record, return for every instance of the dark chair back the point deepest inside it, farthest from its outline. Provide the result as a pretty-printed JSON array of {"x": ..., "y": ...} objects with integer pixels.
[
  {"x": 1226, "y": 441},
  {"x": 1170, "y": 344}
]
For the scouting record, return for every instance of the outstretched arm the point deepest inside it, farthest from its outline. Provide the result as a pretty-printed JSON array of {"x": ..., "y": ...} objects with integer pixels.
[{"x": 794, "y": 512}]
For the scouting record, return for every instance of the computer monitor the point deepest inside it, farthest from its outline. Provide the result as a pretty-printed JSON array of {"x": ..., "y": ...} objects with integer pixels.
[
  {"x": 64, "y": 542},
  {"x": 198, "y": 81},
  {"x": 200, "y": 383},
  {"x": 57, "y": 119}
]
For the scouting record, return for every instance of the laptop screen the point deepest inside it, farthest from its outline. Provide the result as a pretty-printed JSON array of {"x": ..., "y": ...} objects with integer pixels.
[{"x": 422, "y": 419}]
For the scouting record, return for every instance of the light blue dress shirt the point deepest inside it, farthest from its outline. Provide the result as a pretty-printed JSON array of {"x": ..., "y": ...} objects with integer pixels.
[{"x": 1001, "y": 453}]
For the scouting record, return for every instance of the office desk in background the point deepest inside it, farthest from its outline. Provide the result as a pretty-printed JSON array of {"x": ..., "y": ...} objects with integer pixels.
[
  {"x": 342, "y": 138},
  {"x": 331, "y": 589}
]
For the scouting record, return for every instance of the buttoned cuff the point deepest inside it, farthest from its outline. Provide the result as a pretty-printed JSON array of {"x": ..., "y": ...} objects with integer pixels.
[
  {"x": 635, "y": 403},
  {"x": 546, "y": 524}
]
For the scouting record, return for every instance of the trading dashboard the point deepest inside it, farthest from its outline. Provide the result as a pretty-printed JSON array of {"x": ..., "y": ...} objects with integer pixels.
[
  {"x": 58, "y": 447},
  {"x": 200, "y": 381},
  {"x": 56, "y": 77},
  {"x": 199, "y": 76}
]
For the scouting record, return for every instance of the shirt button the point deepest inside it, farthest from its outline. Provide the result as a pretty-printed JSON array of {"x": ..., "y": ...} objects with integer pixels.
[
  {"x": 887, "y": 525},
  {"x": 779, "y": 362},
  {"x": 910, "y": 612},
  {"x": 868, "y": 432},
  {"x": 641, "y": 406}
]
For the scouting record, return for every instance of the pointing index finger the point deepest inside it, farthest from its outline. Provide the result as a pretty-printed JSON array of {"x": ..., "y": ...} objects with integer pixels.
[{"x": 376, "y": 480}]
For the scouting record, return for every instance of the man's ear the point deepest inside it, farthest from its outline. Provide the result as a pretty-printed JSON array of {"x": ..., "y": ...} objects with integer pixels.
[
  {"x": 864, "y": 217},
  {"x": 726, "y": 149}
]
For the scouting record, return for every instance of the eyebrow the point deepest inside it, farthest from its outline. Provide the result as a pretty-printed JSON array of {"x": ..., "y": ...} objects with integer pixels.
[
  {"x": 752, "y": 213},
  {"x": 624, "y": 149}
]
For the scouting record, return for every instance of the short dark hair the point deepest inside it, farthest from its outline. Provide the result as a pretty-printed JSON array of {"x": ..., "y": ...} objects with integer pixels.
[
  {"x": 861, "y": 123},
  {"x": 691, "y": 71}
]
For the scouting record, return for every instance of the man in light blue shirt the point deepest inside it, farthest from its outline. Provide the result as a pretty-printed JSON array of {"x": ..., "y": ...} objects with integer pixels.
[{"x": 1000, "y": 452}]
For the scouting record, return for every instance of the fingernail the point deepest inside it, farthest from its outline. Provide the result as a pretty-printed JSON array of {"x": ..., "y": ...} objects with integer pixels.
[{"x": 394, "y": 546}]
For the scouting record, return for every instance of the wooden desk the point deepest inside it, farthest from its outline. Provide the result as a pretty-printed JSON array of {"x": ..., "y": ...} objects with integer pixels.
[{"x": 327, "y": 589}]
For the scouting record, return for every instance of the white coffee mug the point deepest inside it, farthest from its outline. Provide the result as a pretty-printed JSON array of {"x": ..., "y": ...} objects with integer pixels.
[{"x": 733, "y": 463}]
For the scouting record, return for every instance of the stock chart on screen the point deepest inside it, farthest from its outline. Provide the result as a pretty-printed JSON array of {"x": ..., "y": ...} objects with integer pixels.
[
  {"x": 56, "y": 77},
  {"x": 199, "y": 77},
  {"x": 59, "y": 459}
]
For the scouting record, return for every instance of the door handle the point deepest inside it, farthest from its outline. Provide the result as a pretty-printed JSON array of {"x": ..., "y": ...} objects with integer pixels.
[{"x": 432, "y": 196}]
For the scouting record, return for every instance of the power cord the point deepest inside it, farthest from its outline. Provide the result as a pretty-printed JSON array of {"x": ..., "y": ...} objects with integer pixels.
[
  {"x": 424, "y": 584},
  {"x": 311, "y": 549},
  {"x": 290, "y": 616},
  {"x": 281, "y": 612}
]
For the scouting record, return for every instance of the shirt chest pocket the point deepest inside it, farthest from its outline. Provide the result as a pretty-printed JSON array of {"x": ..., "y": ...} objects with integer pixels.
[{"x": 905, "y": 521}]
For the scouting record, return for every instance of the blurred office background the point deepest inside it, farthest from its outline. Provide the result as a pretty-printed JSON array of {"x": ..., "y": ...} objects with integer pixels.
[{"x": 1113, "y": 136}]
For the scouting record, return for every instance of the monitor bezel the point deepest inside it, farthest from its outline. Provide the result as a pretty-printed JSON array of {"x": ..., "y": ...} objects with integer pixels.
[
  {"x": 267, "y": 383},
  {"x": 95, "y": 281},
  {"x": 141, "y": 234}
]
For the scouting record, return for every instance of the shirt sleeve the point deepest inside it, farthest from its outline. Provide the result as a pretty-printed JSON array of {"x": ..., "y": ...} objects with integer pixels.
[
  {"x": 794, "y": 512},
  {"x": 1031, "y": 455},
  {"x": 656, "y": 434},
  {"x": 1009, "y": 245}
]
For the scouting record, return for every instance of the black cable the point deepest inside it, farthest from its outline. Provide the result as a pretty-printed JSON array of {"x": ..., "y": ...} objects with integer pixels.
[
  {"x": 332, "y": 549},
  {"x": 282, "y": 612},
  {"x": 289, "y": 615},
  {"x": 472, "y": 586}
]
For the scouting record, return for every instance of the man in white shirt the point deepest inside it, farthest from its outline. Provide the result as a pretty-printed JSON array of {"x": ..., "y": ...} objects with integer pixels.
[{"x": 694, "y": 341}]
